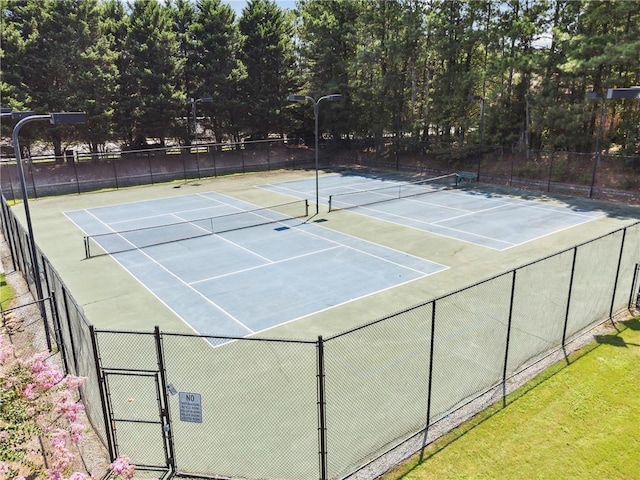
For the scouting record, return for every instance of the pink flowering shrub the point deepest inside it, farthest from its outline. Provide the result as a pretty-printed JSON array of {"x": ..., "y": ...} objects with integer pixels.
[
  {"x": 121, "y": 468},
  {"x": 36, "y": 400}
]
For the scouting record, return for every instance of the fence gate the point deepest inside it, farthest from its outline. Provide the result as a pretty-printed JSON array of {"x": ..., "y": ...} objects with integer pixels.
[{"x": 139, "y": 427}]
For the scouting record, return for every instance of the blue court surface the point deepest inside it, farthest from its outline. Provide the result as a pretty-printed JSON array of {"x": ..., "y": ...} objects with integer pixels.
[
  {"x": 490, "y": 220},
  {"x": 238, "y": 282}
]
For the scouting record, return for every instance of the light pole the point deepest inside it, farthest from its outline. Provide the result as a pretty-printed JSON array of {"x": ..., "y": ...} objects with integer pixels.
[
  {"x": 194, "y": 102},
  {"x": 612, "y": 94},
  {"x": 596, "y": 160},
  {"x": 334, "y": 97},
  {"x": 481, "y": 99},
  {"x": 54, "y": 119}
]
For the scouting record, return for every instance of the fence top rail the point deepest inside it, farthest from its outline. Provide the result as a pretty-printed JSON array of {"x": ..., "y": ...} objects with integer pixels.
[
  {"x": 204, "y": 336},
  {"x": 155, "y": 149}
]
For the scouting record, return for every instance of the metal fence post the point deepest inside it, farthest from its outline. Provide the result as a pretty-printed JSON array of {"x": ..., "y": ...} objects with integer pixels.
[
  {"x": 165, "y": 400},
  {"x": 636, "y": 271},
  {"x": 430, "y": 377},
  {"x": 57, "y": 331},
  {"x": 43, "y": 308},
  {"x": 7, "y": 229},
  {"x": 103, "y": 394},
  {"x": 566, "y": 316},
  {"x": 506, "y": 349},
  {"x": 150, "y": 167},
  {"x": 322, "y": 412},
  {"x": 70, "y": 331},
  {"x": 615, "y": 282},
  {"x": 184, "y": 165},
  {"x": 115, "y": 172}
]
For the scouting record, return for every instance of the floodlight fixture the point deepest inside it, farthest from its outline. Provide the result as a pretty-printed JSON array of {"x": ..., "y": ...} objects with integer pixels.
[
  {"x": 298, "y": 98},
  {"x": 622, "y": 93},
  {"x": 68, "y": 118}
]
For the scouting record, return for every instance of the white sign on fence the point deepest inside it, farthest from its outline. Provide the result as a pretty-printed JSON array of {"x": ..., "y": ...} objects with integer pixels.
[{"x": 190, "y": 407}]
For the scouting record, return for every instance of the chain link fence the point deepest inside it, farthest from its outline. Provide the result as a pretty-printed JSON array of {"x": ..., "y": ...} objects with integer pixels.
[
  {"x": 259, "y": 408},
  {"x": 608, "y": 177},
  {"x": 78, "y": 173}
]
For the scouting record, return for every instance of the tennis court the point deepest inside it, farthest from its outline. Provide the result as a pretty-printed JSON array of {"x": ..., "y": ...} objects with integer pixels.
[
  {"x": 237, "y": 256},
  {"x": 229, "y": 267},
  {"x": 434, "y": 205}
]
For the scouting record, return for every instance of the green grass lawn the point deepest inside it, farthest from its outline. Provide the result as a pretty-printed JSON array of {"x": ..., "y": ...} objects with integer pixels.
[
  {"x": 577, "y": 420},
  {"x": 6, "y": 292}
]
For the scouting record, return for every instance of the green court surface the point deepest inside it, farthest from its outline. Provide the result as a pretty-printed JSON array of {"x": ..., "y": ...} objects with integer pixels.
[{"x": 111, "y": 298}]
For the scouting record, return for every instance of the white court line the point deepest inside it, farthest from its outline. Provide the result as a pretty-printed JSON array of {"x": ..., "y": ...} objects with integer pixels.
[
  {"x": 176, "y": 277},
  {"x": 278, "y": 188},
  {"x": 413, "y": 220},
  {"x": 336, "y": 242},
  {"x": 532, "y": 204},
  {"x": 136, "y": 202},
  {"x": 180, "y": 212},
  {"x": 505, "y": 202},
  {"x": 471, "y": 213},
  {"x": 255, "y": 254},
  {"x": 343, "y": 303},
  {"x": 270, "y": 262}
]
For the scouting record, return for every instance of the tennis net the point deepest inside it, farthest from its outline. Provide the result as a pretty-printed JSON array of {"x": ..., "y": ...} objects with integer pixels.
[
  {"x": 359, "y": 198},
  {"x": 138, "y": 238}
]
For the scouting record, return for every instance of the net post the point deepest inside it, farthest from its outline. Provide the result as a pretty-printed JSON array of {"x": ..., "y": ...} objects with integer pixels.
[
  {"x": 306, "y": 207},
  {"x": 330, "y": 202},
  {"x": 87, "y": 253}
]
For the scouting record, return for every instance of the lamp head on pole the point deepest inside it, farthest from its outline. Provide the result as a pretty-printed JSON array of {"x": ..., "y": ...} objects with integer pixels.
[
  {"x": 618, "y": 93},
  {"x": 194, "y": 100},
  {"x": 335, "y": 97},
  {"x": 68, "y": 118},
  {"x": 297, "y": 98}
]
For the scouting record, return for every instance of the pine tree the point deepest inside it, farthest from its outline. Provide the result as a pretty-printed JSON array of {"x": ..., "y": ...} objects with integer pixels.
[
  {"x": 267, "y": 53},
  {"x": 150, "y": 100}
]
